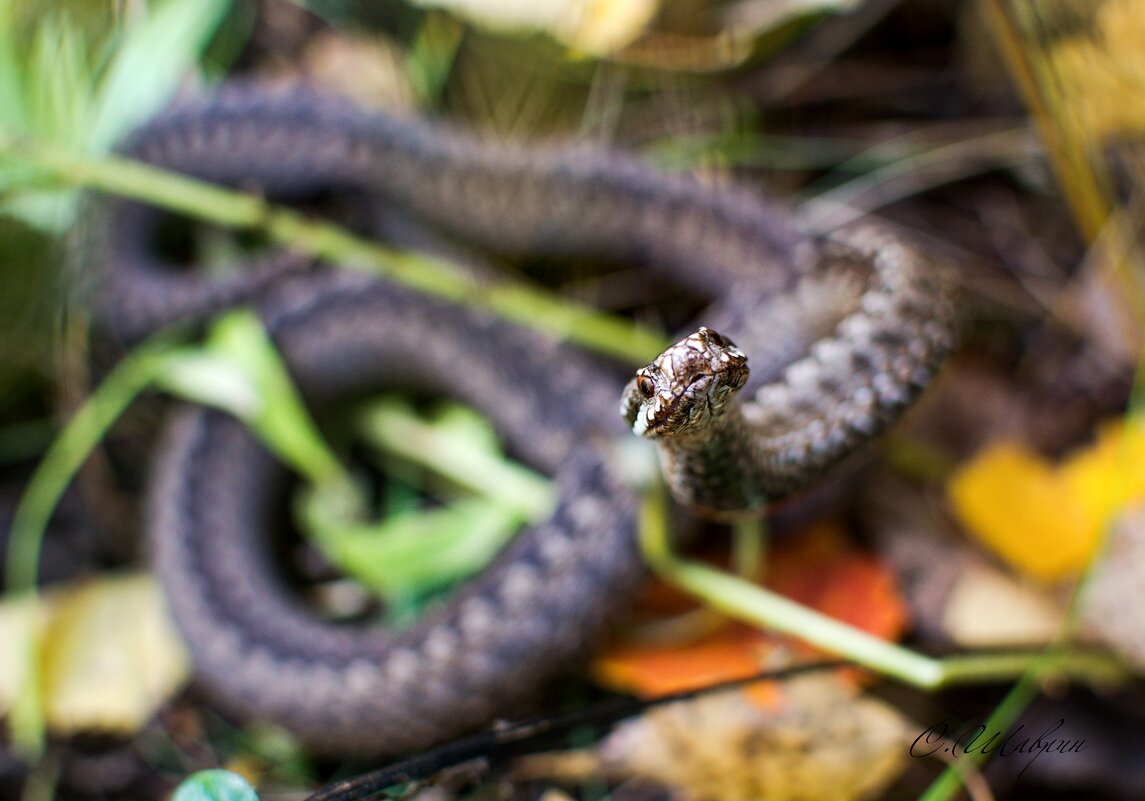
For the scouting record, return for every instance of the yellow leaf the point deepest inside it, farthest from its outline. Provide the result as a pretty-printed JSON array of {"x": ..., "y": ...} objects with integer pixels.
[
  {"x": 1045, "y": 520},
  {"x": 1111, "y": 474},
  {"x": 605, "y": 26},
  {"x": 590, "y": 26},
  {"x": 1103, "y": 73},
  {"x": 108, "y": 654}
]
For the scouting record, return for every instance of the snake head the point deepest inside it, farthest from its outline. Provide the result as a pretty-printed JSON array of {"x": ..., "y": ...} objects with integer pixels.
[{"x": 686, "y": 387}]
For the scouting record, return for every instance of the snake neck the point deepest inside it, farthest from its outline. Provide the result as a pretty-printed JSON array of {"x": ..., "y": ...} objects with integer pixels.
[{"x": 705, "y": 470}]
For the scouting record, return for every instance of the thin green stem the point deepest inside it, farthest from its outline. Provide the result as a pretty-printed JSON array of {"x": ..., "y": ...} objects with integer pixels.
[
  {"x": 42, "y": 781},
  {"x": 745, "y": 601},
  {"x": 1136, "y": 404},
  {"x": 50, "y": 479},
  {"x": 1081, "y": 191},
  {"x": 749, "y": 547},
  {"x": 528, "y": 305},
  {"x": 68, "y": 452},
  {"x": 913, "y": 174},
  {"x": 950, "y": 781}
]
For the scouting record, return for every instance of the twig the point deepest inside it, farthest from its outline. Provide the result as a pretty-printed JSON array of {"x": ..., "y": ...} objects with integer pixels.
[{"x": 491, "y": 748}]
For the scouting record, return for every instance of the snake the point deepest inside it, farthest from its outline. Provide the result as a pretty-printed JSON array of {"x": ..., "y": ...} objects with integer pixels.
[{"x": 843, "y": 331}]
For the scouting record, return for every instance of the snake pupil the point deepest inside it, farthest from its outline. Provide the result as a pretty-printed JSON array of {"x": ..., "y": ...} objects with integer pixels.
[{"x": 645, "y": 385}]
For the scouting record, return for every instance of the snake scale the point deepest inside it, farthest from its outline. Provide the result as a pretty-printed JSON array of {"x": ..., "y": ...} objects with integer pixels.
[{"x": 843, "y": 332}]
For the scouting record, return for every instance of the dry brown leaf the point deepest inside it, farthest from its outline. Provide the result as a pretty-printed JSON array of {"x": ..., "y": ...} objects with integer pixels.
[
  {"x": 823, "y": 740},
  {"x": 369, "y": 70}
]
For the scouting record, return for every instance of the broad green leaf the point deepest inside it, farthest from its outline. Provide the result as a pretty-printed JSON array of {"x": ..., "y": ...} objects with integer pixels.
[
  {"x": 202, "y": 377},
  {"x": 408, "y": 555}
]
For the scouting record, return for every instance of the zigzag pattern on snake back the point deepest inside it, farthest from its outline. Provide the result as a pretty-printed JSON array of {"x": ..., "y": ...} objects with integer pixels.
[{"x": 841, "y": 333}]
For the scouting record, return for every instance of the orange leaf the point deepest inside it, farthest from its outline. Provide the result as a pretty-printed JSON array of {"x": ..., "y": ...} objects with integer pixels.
[
  {"x": 650, "y": 670},
  {"x": 816, "y": 567},
  {"x": 819, "y": 569}
]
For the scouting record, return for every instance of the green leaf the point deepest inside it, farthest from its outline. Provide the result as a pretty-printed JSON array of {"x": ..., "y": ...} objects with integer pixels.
[
  {"x": 239, "y": 371},
  {"x": 214, "y": 785},
  {"x": 13, "y": 107},
  {"x": 203, "y": 377},
  {"x": 409, "y": 555},
  {"x": 153, "y": 56},
  {"x": 85, "y": 87},
  {"x": 431, "y": 57},
  {"x": 60, "y": 86},
  {"x": 461, "y": 447},
  {"x": 415, "y": 553}
]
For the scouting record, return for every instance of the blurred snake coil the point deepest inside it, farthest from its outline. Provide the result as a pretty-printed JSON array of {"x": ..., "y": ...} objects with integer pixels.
[{"x": 842, "y": 332}]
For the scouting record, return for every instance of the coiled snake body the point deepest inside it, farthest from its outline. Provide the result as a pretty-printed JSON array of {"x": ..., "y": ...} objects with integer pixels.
[{"x": 842, "y": 334}]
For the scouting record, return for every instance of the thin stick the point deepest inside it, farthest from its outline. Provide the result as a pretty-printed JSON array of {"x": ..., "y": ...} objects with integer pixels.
[{"x": 485, "y": 749}]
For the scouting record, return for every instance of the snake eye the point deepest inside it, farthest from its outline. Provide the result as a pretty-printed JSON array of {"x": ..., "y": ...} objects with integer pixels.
[
  {"x": 719, "y": 340},
  {"x": 646, "y": 386}
]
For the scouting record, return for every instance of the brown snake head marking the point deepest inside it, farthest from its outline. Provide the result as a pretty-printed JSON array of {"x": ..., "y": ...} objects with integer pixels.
[{"x": 686, "y": 387}]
